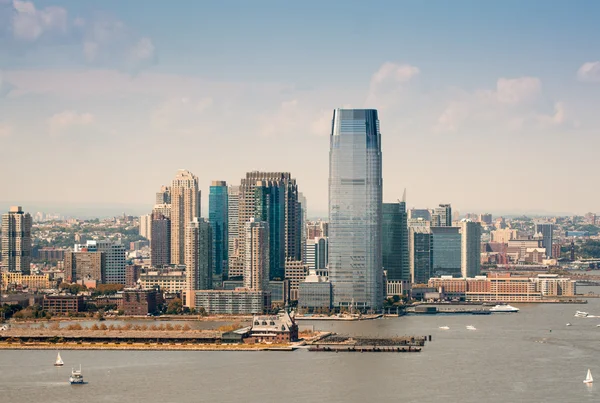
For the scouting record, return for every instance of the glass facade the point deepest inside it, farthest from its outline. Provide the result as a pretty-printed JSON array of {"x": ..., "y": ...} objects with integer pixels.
[
  {"x": 421, "y": 255},
  {"x": 446, "y": 251},
  {"x": 394, "y": 241},
  {"x": 355, "y": 197},
  {"x": 269, "y": 204},
  {"x": 218, "y": 217}
]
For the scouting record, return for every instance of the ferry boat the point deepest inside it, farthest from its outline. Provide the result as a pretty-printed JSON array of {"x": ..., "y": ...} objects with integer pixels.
[
  {"x": 504, "y": 309},
  {"x": 76, "y": 377}
]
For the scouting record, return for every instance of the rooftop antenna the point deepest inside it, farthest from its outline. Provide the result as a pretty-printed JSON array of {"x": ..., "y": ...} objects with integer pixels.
[{"x": 404, "y": 196}]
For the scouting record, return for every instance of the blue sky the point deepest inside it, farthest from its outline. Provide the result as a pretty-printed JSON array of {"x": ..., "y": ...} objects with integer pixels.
[{"x": 487, "y": 105}]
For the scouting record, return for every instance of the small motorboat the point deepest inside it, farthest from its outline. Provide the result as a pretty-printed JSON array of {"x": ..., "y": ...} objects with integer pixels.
[
  {"x": 568, "y": 324},
  {"x": 76, "y": 377}
]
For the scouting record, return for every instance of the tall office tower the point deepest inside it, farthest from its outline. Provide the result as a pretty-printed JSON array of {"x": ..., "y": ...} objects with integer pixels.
[
  {"x": 443, "y": 216},
  {"x": 420, "y": 254},
  {"x": 394, "y": 243},
  {"x": 303, "y": 216},
  {"x": 269, "y": 206},
  {"x": 247, "y": 210},
  {"x": 160, "y": 245},
  {"x": 16, "y": 240},
  {"x": 115, "y": 259},
  {"x": 146, "y": 226},
  {"x": 317, "y": 253},
  {"x": 256, "y": 255},
  {"x": 355, "y": 198},
  {"x": 164, "y": 196},
  {"x": 185, "y": 206},
  {"x": 446, "y": 247},
  {"x": 233, "y": 221},
  {"x": 471, "y": 248},
  {"x": 546, "y": 229},
  {"x": 415, "y": 213},
  {"x": 217, "y": 216},
  {"x": 198, "y": 256},
  {"x": 85, "y": 265}
]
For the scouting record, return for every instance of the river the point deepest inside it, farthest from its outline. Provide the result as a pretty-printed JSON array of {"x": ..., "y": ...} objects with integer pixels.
[{"x": 531, "y": 356}]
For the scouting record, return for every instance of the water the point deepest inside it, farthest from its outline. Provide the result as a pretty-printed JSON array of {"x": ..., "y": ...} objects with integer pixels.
[{"x": 509, "y": 358}]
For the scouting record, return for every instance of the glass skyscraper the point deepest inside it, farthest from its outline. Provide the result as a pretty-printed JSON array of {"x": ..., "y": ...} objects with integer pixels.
[
  {"x": 217, "y": 217},
  {"x": 355, "y": 216},
  {"x": 446, "y": 251},
  {"x": 269, "y": 205},
  {"x": 395, "y": 241}
]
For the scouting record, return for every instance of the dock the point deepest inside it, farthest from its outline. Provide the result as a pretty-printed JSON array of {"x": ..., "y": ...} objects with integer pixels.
[{"x": 339, "y": 343}]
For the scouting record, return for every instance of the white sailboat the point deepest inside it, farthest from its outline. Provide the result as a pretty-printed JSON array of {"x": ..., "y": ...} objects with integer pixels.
[
  {"x": 59, "y": 362},
  {"x": 588, "y": 378}
]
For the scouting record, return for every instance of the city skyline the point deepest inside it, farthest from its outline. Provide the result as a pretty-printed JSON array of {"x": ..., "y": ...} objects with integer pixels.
[{"x": 483, "y": 108}]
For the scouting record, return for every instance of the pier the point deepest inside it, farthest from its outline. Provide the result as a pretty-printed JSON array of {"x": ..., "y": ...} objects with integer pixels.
[{"x": 339, "y": 343}]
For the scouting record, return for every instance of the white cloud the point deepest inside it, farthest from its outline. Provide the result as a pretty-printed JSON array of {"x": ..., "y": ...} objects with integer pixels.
[
  {"x": 388, "y": 82},
  {"x": 517, "y": 90},
  {"x": 30, "y": 23},
  {"x": 142, "y": 51},
  {"x": 66, "y": 120},
  {"x": 589, "y": 71}
]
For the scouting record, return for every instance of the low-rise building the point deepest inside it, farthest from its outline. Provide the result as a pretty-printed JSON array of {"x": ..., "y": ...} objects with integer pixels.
[
  {"x": 280, "y": 328},
  {"x": 138, "y": 301},
  {"x": 172, "y": 281},
  {"x": 17, "y": 280},
  {"x": 232, "y": 302},
  {"x": 62, "y": 304}
]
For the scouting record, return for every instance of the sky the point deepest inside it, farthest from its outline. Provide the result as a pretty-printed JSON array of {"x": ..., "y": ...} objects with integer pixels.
[{"x": 490, "y": 106}]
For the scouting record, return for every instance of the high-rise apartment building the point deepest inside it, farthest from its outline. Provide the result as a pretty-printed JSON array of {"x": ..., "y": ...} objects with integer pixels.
[
  {"x": 247, "y": 209},
  {"x": 317, "y": 253},
  {"x": 471, "y": 248},
  {"x": 233, "y": 219},
  {"x": 115, "y": 259},
  {"x": 269, "y": 206},
  {"x": 485, "y": 218},
  {"x": 164, "y": 209},
  {"x": 355, "y": 199},
  {"x": 303, "y": 218},
  {"x": 256, "y": 255},
  {"x": 547, "y": 232},
  {"x": 146, "y": 226},
  {"x": 160, "y": 245},
  {"x": 420, "y": 254},
  {"x": 16, "y": 240},
  {"x": 185, "y": 206},
  {"x": 198, "y": 257},
  {"x": 217, "y": 217},
  {"x": 394, "y": 244},
  {"x": 85, "y": 265}
]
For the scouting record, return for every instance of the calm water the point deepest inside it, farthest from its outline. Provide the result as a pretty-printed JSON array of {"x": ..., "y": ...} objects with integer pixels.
[{"x": 509, "y": 358}]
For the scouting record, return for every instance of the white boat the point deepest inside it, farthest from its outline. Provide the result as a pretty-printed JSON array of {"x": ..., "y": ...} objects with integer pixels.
[
  {"x": 588, "y": 378},
  {"x": 580, "y": 314},
  {"x": 444, "y": 328},
  {"x": 568, "y": 324},
  {"x": 76, "y": 377},
  {"x": 471, "y": 327},
  {"x": 504, "y": 309},
  {"x": 59, "y": 362}
]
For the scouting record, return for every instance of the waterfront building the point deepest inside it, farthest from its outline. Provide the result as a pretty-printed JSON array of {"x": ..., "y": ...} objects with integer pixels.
[
  {"x": 446, "y": 246},
  {"x": 295, "y": 272},
  {"x": 256, "y": 255},
  {"x": 132, "y": 275},
  {"x": 17, "y": 280},
  {"x": 397, "y": 287},
  {"x": 185, "y": 206},
  {"x": 167, "y": 280},
  {"x": 114, "y": 259},
  {"x": 61, "y": 304},
  {"x": 355, "y": 199},
  {"x": 394, "y": 245},
  {"x": 547, "y": 236},
  {"x": 146, "y": 226},
  {"x": 160, "y": 247},
  {"x": 279, "y": 290},
  {"x": 233, "y": 221},
  {"x": 85, "y": 266},
  {"x": 231, "y": 302},
  {"x": 420, "y": 254},
  {"x": 16, "y": 240},
  {"x": 314, "y": 292},
  {"x": 198, "y": 256},
  {"x": 217, "y": 217},
  {"x": 138, "y": 302},
  {"x": 470, "y": 257},
  {"x": 277, "y": 329}
]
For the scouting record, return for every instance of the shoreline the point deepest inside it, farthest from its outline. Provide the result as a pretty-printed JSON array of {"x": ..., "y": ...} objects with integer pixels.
[{"x": 146, "y": 347}]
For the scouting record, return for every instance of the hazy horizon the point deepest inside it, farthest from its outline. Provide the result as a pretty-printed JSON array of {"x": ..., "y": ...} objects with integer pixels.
[{"x": 489, "y": 106}]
